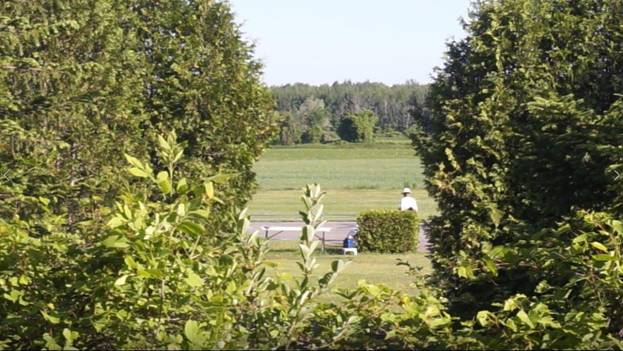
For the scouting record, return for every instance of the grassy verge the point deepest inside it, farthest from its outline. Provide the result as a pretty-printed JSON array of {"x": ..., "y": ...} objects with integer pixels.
[{"x": 374, "y": 268}]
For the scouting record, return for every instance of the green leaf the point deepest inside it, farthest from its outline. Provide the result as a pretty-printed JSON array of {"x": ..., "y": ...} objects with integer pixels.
[
  {"x": 137, "y": 172},
  {"x": 191, "y": 228},
  {"x": 181, "y": 210},
  {"x": 338, "y": 266},
  {"x": 193, "y": 279},
  {"x": 203, "y": 213},
  {"x": 182, "y": 186},
  {"x": 209, "y": 189},
  {"x": 483, "y": 317},
  {"x": 193, "y": 333},
  {"x": 50, "y": 318},
  {"x": 163, "y": 143},
  {"x": 121, "y": 280},
  {"x": 491, "y": 266},
  {"x": 599, "y": 246},
  {"x": 164, "y": 183},
  {"x": 523, "y": 316},
  {"x": 617, "y": 226},
  {"x": 115, "y": 222},
  {"x": 70, "y": 336},
  {"x": 133, "y": 161},
  {"x": 50, "y": 343},
  {"x": 603, "y": 257},
  {"x": 114, "y": 241}
]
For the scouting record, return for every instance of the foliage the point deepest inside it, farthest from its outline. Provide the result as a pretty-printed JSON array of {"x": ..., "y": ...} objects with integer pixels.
[
  {"x": 290, "y": 129},
  {"x": 520, "y": 151},
  {"x": 393, "y": 104},
  {"x": 92, "y": 289},
  {"x": 68, "y": 103},
  {"x": 82, "y": 82},
  {"x": 203, "y": 82},
  {"x": 388, "y": 231},
  {"x": 157, "y": 277},
  {"x": 358, "y": 127},
  {"x": 314, "y": 118}
]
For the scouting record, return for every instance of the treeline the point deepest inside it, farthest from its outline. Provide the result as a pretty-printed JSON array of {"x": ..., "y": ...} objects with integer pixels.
[{"x": 311, "y": 114}]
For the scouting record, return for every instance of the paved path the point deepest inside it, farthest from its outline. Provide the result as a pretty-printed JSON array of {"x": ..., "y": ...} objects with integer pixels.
[{"x": 339, "y": 231}]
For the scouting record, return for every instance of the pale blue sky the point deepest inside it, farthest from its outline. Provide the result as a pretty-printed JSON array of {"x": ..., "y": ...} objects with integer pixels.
[{"x": 322, "y": 41}]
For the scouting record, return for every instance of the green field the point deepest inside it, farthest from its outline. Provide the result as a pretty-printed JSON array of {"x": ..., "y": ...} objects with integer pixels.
[
  {"x": 356, "y": 177},
  {"x": 373, "y": 268}
]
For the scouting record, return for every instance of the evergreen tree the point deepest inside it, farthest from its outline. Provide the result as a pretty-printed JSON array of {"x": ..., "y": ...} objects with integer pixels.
[
  {"x": 203, "y": 82},
  {"x": 525, "y": 118},
  {"x": 68, "y": 101}
]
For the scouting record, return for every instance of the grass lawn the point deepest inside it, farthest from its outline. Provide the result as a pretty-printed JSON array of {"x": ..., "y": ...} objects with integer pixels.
[
  {"x": 374, "y": 268},
  {"x": 356, "y": 177},
  {"x": 339, "y": 168}
]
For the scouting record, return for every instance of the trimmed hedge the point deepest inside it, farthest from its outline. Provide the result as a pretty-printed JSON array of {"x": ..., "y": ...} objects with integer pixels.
[{"x": 389, "y": 231}]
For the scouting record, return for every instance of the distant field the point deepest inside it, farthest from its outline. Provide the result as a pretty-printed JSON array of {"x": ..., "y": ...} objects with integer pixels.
[
  {"x": 340, "y": 204},
  {"x": 356, "y": 177}
]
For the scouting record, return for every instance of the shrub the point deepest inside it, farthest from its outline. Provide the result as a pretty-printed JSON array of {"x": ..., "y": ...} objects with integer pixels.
[
  {"x": 329, "y": 137},
  {"x": 388, "y": 231},
  {"x": 157, "y": 276}
]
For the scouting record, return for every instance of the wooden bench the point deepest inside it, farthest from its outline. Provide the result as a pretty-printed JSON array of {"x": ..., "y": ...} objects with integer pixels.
[{"x": 278, "y": 230}]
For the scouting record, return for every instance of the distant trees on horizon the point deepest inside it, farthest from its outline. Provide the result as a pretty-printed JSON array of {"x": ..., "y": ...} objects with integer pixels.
[{"x": 314, "y": 113}]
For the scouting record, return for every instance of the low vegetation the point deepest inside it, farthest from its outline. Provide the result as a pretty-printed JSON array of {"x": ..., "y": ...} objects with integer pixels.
[{"x": 388, "y": 231}]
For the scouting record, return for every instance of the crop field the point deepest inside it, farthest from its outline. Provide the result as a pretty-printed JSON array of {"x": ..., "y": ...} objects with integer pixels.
[{"x": 356, "y": 178}]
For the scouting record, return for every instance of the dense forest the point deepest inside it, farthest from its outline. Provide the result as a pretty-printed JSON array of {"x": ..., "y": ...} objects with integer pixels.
[{"x": 310, "y": 113}]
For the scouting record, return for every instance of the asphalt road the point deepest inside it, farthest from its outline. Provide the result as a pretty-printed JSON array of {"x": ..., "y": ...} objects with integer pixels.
[{"x": 338, "y": 232}]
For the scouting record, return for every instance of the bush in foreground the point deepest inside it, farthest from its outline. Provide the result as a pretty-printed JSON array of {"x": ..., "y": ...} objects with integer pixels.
[
  {"x": 159, "y": 276},
  {"x": 388, "y": 231}
]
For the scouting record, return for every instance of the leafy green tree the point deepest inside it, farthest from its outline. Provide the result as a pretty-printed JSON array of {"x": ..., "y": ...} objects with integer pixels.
[
  {"x": 290, "y": 129},
  {"x": 203, "y": 82},
  {"x": 520, "y": 138},
  {"x": 94, "y": 79},
  {"x": 314, "y": 118},
  {"x": 68, "y": 103},
  {"x": 358, "y": 127}
]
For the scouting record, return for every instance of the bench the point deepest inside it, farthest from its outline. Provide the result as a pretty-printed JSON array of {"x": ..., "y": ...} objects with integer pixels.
[
  {"x": 278, "y": 230},
  {"x": 352, "y": 250}
]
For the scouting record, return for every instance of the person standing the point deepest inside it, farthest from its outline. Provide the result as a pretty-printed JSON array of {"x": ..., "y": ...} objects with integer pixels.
[{"x": 407, "y": 203}]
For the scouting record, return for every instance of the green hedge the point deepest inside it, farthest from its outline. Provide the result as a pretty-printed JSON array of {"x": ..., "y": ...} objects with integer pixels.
[{"x": 387, "y": 231}]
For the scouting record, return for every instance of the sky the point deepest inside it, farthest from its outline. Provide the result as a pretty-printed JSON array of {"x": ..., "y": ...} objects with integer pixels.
[{"x": 323, "y": 41}]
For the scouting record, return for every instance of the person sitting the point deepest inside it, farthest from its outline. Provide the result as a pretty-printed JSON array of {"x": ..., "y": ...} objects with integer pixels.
[{"x": 407, "y": 203}]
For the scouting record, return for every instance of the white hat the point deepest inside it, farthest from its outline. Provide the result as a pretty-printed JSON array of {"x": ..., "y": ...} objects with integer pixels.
[{"x": 406, "y": 191}]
